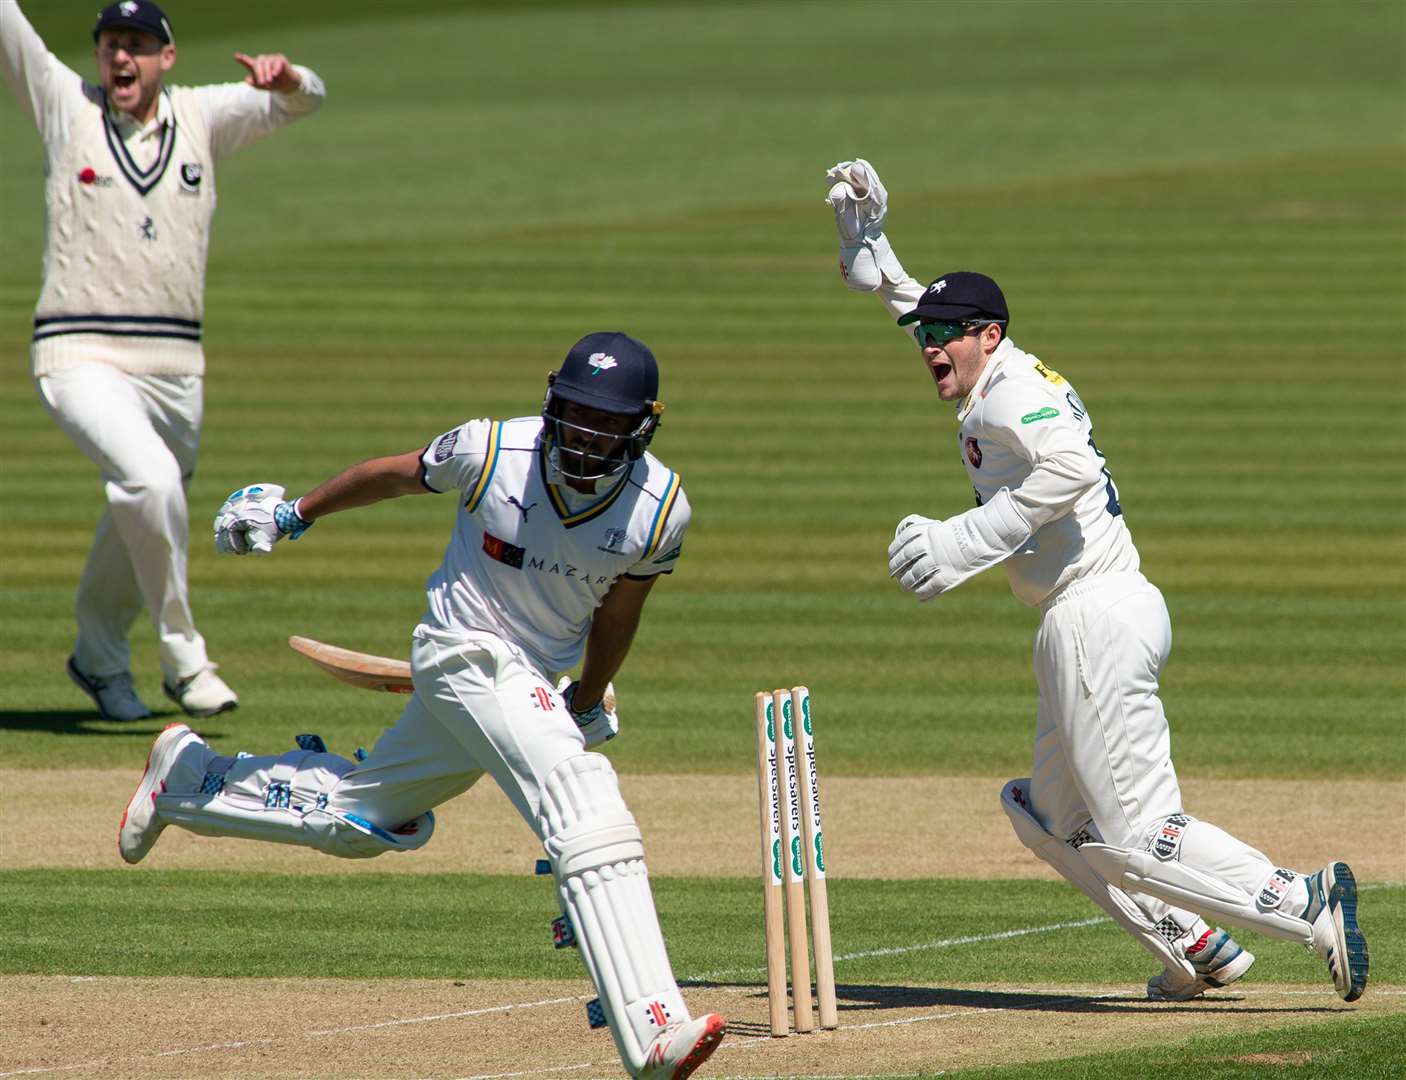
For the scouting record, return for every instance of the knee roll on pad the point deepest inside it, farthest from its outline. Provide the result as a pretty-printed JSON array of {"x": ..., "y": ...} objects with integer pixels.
[
  {"x": 1155, "y": 925},
  {"x": 597, "y": 858}
]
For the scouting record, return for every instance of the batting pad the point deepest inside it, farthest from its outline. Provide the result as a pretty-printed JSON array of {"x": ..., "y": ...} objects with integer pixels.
[
  {"x": 1177, "y": 883},
  {"x": 598, "y": 860},
  {"x": 284, "y": 799},
  {"x": 1149, "y": 920}
]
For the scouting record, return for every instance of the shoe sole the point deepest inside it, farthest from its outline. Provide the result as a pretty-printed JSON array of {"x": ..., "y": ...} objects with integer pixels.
[
  {"x": 1219, "y": 980},
  {"x": 1342, "y": 905},
  {"x": 228, "y": 706},
  {"x": 82, "y": 683},
  {"x": 707, "y": 1042},
  {"x": 171, "y": 737}
]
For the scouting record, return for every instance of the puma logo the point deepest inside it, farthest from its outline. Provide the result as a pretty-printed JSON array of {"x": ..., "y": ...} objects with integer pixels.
[{"x": 512, "y": 500}]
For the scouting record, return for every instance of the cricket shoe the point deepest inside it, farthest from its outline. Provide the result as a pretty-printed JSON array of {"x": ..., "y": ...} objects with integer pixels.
[
  {"x": 141, "y": 823},
  {"x": 681, "y": 1048},
  {"x": 1332, "y": 911},
  {"x": 114, "y": 695},
  {"x": 1216, "y": 959},
  {"x": 202, "y": 694}
]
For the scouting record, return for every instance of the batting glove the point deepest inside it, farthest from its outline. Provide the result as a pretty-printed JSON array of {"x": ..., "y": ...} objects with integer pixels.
[
  {"x": 598, "y": 723},
  {"x": 861, "y": 203},
  {"x": 255, "y": 518}
]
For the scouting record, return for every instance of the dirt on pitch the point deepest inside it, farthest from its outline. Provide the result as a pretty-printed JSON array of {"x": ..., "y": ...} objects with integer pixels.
[{"x": 185, "y": 1027}]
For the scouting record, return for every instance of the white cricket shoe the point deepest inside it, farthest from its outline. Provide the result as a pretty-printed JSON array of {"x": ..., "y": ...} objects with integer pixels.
[
  {"x": 141, "y": 823},
  {"x": 681, "y": 1048},
  {"x": 114, "y": 695},
  {"x": 202, "y": 694},
  {"x": 1332, "y": 910},
  {"x": 1217, "y": 960}
]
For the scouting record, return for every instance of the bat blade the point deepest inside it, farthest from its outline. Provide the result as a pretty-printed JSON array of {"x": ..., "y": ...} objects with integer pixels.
[{"x": 364, "y": 670}]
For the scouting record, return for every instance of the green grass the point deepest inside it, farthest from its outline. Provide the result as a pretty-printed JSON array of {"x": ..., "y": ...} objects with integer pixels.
[
  {"x": 175, "y": 922},
  {"x": 467, "y": 205},
  {"x": 1351, "y": 1049}
]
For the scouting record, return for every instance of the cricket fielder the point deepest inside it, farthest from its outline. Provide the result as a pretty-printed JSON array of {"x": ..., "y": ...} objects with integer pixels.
[
  {"x": 565, "y": 523},
  {"x": 129, "y": 194},
  {"x": 1103, "y": 805}
]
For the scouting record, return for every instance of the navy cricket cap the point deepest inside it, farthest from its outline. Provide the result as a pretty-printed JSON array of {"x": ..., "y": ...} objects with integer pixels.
[
  {"x": 610, "y": 371},
  {"x": 134, "y": 15},
  {"x": 959, "y": 297}
]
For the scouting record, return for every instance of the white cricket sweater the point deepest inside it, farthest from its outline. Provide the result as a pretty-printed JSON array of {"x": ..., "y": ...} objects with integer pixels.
[{"x": 129, "y": 209}]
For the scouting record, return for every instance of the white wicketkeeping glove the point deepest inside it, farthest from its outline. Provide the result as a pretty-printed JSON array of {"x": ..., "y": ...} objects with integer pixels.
[
  {"x": 930, "y": 557},
  {"x": 861, "y": 202},
  {"x": 255, "y": 518},
  {"x": 598, "y": 723}
]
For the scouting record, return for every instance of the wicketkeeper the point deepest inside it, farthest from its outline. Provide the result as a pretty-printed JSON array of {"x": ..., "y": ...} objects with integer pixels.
[
  {"x": 1103, "y": 805},
  {"x": 565, "y": 523}
]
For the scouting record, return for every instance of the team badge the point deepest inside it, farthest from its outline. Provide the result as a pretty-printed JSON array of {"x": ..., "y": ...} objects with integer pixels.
[
  {"x": 148, "y": 228},
  {"x": 601, "y": 362},
  {"x": 937, "y": 286},
  {"x": 973, "y": 451},
  {"x": 192, "y": 172}
]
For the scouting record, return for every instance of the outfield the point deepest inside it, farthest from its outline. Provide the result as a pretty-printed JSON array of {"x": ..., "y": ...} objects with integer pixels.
[{"x": 1197, "y": 214}]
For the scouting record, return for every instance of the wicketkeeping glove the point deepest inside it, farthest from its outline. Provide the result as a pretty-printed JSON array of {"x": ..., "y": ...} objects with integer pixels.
[
  {"x": 861, "y": 202},
  {"x": 598, "y": 723},
  {"x": 929, "y": 557},
  {"x": 255, "y": 518}
]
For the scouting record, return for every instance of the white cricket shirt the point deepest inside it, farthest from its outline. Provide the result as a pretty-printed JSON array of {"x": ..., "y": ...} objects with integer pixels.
[
  {"x": 528, "y": 563},
  {"x": 1023, "y": 427}
]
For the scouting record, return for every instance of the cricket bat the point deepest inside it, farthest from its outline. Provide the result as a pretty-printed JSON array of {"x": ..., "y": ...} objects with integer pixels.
[{"x": 357, "y": 668}]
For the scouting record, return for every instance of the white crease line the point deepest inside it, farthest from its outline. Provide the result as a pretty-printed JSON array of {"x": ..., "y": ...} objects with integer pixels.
[{"x": 899, "y": 950}]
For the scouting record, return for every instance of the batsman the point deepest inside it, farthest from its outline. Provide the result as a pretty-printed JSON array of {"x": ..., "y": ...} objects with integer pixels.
[
  {"x": 566, "y": 522},
  {"x": 1103, "y": 806}
]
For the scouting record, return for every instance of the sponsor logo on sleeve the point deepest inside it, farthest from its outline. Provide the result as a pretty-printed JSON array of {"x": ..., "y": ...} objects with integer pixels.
[
  {"x": 973, "y": 451},
  {"x": 445, "y": 446},
  {"x": 1046, "y": 413},
  {"x": 1049, "y": 373},
  {"x": 192, "y": 172},
  {"x": 503, "y": 552},
  {"x": 669, "y": 556}
]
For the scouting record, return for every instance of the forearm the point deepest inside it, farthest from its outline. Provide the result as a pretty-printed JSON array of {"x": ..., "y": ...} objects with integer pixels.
[
  {"x": 900, "y": 297},
  {"x": 607, "y": 645},
  {"x": 364, "y": 484}
]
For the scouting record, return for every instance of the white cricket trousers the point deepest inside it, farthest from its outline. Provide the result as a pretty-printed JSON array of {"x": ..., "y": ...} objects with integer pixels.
[
  {"x": 143, "y": 433},
  {"x": 480, "y": 705},
  {"x": 1102, "y": 747}
]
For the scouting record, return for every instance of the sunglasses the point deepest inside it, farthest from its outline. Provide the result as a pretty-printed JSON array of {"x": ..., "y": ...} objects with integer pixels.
[{"x": 938, "y": 334}]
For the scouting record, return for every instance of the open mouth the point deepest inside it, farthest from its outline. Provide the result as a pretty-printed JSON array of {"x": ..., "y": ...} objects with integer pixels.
[
  {"x": 124, "y": 80},
  {"x": 941, "y": 371}
]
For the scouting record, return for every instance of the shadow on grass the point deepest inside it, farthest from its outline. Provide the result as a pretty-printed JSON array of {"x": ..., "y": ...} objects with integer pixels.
[
  {"x": 87, "y": 722},
  {"x": 856, "y": 998}
]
